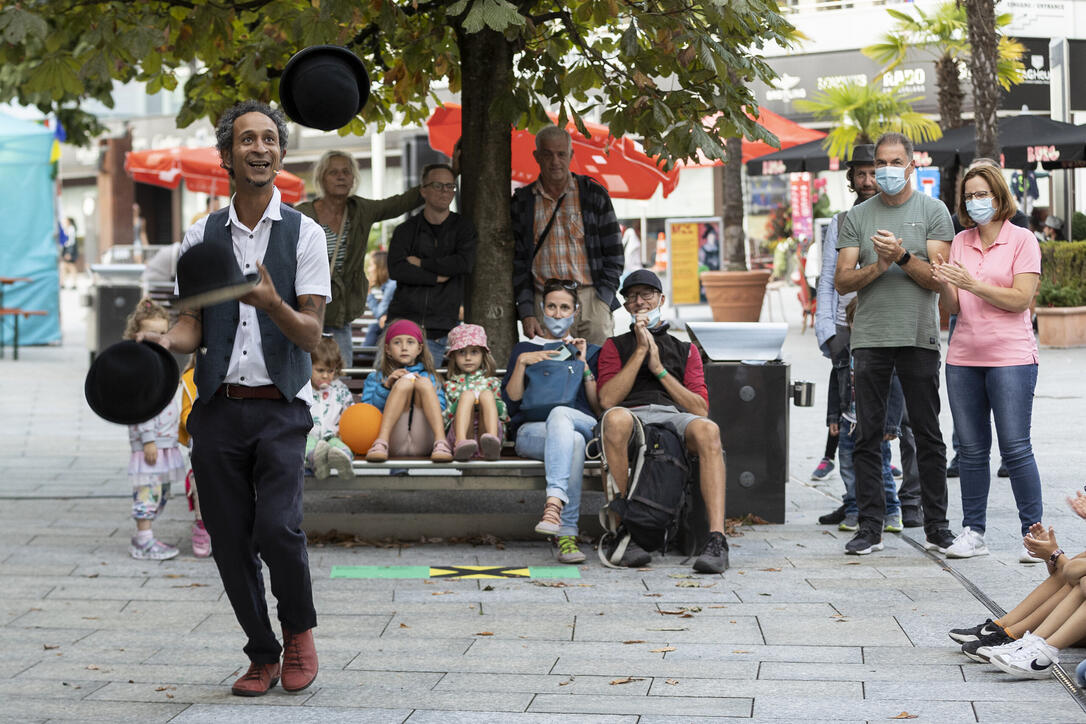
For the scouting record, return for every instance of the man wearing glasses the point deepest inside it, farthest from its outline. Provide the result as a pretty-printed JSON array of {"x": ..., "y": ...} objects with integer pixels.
[
  {"x": 564, "y": 227},
  {"x": 884, "y": 252},
  {"x": 657, "y": 377},
  {"x": 430, "y": 257}
]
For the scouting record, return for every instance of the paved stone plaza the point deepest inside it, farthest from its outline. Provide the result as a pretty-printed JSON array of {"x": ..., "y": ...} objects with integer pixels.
[{"x": 793, "y": 631}]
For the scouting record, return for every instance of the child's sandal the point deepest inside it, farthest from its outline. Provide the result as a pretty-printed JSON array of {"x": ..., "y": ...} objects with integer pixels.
[
  {"x": 378, "y": 452},
  {"x": 441, "y": 452},
  {"x": 464, "y": 450}
]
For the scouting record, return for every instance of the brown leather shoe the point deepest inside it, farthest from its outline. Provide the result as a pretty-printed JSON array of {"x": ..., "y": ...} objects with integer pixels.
[
  {"x": 299, "y": 660},
  {"x": 257, "y": 680}
]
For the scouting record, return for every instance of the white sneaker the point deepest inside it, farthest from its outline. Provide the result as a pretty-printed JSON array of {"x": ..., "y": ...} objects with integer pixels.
[
  {"x": 1033, "y": 660},
  {"x": 1025, "y": 557},
  {"x": 969, "y": 543},
  {"x": 987, "y": 652}
]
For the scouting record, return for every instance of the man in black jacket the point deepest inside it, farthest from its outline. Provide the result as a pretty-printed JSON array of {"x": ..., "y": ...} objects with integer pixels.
[{"x": 430, "y": 258}]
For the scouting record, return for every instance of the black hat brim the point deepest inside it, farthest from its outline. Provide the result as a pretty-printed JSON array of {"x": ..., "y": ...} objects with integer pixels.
[
  {"x": 219, "y": 295},
  {"x": 107, "y": 385}
]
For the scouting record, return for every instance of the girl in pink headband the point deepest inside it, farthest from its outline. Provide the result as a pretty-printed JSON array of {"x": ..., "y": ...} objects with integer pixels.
[{"x": 406, "y": 388}]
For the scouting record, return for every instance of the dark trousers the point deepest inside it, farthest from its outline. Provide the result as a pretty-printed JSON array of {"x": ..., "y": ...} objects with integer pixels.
[
  {"x": 918, "y": 370},
  {"x": 909, "y": 492},
  {"x": 247, "y": 457}
]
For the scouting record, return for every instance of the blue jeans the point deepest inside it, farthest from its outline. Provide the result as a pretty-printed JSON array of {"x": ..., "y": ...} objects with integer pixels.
[
  {"x": 342, "y": 336},
  {"x": 437, "y": 349},
  {"x": 846, "y": 443},
  {"x": 976, "y": 394},
  {"x": 559, "y": 443}
]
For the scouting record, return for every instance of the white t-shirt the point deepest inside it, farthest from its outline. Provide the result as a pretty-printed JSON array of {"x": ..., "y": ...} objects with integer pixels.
[{"x": 247, "y": 366}]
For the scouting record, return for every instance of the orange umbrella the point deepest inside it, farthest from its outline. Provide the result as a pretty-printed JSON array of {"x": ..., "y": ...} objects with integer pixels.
[
  {"x": 617, "y": 163},
  {"x": 789, "y": 133},
  {"x": 200, "y": 170}
]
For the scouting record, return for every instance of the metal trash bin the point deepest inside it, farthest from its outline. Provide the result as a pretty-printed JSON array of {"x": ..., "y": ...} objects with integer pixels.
[
  {"x": 112, "y": 297},
  {"x": 749, "y": 391}
]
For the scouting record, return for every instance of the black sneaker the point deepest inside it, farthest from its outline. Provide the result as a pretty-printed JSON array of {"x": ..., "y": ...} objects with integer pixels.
[
  {"x": 940, "y": 540},
  {"x": 1003, "y": 472},
  {"x": 865, "y": 541},
  {"x": 952, "y": 469},
  {"x": 714, "y": 556},
  {"x": 912, "y": 518},
  {"x": 965, "y": 635},
  {"x": 980, "y": 649},
  {"x": 832, "y": 518},
  {"x": 633, "y": 557}
]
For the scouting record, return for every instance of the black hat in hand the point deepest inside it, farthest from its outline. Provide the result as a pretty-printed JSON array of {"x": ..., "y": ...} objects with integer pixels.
[
  {"x": 131, "y": 382},
  {"x": 324, "y": 86},
  {"x": 208, "y": 274}
]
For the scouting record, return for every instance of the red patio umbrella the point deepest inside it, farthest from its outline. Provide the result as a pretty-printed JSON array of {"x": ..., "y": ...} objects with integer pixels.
[
  {"x": 617, "y": 163},
  {"x": 200, "y": 170},
  {"x": 789, "y": 133}
]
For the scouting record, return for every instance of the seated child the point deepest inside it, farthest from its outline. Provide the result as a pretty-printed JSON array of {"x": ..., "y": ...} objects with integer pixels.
[
  {"x": 473, "y": 396},
  {"x": 324, "y": 451},
  {"x": 405, "y": 383}
]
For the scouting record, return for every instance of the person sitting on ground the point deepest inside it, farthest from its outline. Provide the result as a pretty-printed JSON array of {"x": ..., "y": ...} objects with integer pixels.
[
  {"x": 405, "y": 383},
  {"x": 474, "y": 411},
  {"x": 651, "y": 374},
  {"x": 1026, "y": 641},
  {"x": 324, "y": 451},
  {"x": 560, "y": 440},
  {"x": 380, "y": 297}
]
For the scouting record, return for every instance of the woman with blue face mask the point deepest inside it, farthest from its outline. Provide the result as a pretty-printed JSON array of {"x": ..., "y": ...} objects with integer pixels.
[
  {"x": 559, "y": 441},
  {"x": 991, "y": 364}
]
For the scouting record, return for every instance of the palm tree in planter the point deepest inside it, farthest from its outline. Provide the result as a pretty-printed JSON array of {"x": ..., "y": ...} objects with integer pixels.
[{"x": 862, "y": 113}]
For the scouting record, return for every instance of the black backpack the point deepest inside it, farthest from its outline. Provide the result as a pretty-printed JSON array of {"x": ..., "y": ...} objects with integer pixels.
[{"x": 656, "y": 493}]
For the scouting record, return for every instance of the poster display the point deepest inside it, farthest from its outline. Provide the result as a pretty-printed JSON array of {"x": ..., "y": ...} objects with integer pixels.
[
  {"x": 799, "y": 185},
  {"x": 693, "y": 247}
]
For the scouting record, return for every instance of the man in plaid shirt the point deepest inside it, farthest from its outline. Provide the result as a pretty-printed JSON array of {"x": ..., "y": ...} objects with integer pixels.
[{"x": 564, "y": 227}]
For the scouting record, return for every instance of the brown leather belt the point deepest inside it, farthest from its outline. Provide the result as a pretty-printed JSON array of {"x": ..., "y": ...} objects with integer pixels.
[{"x": 241, "y": 392}]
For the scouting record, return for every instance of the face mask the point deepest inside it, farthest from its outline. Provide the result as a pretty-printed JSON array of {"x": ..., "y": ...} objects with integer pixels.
[
  {"x": 558, "y": 327},
  {"x": 980, "y": 210},
  {"x": 891, "y": 179},
  {"x": 654, "y": 318}
]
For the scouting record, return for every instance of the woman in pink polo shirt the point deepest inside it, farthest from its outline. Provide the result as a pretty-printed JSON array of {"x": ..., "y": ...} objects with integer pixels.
[{"x": 991, "y": 364}]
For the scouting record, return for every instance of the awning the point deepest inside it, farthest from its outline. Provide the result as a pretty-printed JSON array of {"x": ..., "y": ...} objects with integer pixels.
[
  {"x": 789, "y": 133},
  {"x": 1025, "y": 139},
  {"x": 617, "y": 163},
  {"x": 200, "y": 170}
]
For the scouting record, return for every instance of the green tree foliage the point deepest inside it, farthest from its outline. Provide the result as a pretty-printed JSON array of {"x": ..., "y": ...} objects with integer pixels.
[
  {"x": 651, "y": 68},
  {"x": 862, "y": 113},
  {"x": 942, "y": 35}
]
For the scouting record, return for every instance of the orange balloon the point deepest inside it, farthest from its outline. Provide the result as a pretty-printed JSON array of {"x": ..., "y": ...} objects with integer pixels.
[{"x": 358, "y": 427}]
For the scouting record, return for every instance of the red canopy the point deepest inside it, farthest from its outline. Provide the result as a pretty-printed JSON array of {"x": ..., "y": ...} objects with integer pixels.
[
  {"x": 617, "y": 163},
  {"x": 789, "y": 133},
  {"x": 200, "y": 169}
]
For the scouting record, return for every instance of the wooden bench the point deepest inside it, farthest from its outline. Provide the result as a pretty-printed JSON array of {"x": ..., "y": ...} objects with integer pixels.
[
  {"x": 15, "y": 314},
  {"x": 411, "y": 498}
]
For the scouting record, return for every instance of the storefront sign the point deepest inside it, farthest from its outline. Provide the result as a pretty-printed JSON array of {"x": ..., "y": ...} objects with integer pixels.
[{"x": 802, "y": 213}]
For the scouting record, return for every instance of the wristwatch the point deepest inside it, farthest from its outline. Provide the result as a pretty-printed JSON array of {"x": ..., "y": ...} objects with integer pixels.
[
  {"x": 1055, "y": 554},
  {"x": 904, "y": 258}
]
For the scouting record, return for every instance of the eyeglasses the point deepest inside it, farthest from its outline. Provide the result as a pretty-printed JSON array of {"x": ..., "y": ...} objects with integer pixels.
[
  {"x": 646, "y": 296},
  {"x": 451, "y": 188},
  {"x": 979, "y": 195},
  {"x": 568, "y": 284}
]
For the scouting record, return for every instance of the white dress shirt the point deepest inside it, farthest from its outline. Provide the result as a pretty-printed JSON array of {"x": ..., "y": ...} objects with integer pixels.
[{"x": 247, "y": 365}]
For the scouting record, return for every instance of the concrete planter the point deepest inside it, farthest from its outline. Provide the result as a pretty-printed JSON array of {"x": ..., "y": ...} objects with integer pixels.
[
  {"x": 735, "y": 296},
  {"x": 1061, "y": 326}
]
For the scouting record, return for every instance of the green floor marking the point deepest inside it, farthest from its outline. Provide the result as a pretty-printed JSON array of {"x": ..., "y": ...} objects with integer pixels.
[{"x": 472, "y": 571}]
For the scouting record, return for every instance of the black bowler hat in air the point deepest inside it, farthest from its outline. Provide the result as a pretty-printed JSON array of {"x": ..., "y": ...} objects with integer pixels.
[
  {"x": 863, "y": 155},
  {"x": 208, "y": 274},
  {"x": 131, "y": 382},
  {"x": 324, "y": 86}
]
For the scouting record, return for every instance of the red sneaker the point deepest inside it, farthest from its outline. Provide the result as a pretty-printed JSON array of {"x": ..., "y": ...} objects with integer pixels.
[{"x": 299, "y": 660}]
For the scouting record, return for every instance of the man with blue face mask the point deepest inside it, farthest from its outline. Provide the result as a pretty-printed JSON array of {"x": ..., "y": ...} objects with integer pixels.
[
  {"x": 884, "y": 252},
  {"x": 659, "y": 378}
]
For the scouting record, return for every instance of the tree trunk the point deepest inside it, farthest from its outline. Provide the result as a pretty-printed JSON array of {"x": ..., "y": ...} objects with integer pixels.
[
  {"x": 986, "y": 90},
  {"x": 485, "y": 179},
  {"x": 948, "y": 81},
  {"x": 735, "y": 249}
]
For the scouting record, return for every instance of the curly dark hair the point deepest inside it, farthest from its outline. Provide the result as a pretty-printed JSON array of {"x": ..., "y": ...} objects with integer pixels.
[{"x": 224, "y": 129}]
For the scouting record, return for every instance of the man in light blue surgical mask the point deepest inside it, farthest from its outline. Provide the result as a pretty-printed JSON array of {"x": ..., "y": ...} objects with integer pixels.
[
  {"x": 884, "y": 250},
  {"x": 655, "y": 376}
]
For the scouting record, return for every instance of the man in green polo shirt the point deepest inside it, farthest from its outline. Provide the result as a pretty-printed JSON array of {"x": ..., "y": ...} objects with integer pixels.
[{"x": 884, "y": 250}]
